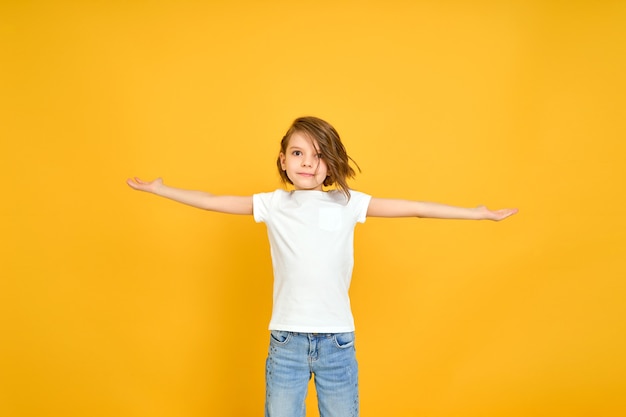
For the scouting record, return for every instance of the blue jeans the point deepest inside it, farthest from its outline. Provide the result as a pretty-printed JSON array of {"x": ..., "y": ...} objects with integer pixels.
[{"x": 294, "y": 357}]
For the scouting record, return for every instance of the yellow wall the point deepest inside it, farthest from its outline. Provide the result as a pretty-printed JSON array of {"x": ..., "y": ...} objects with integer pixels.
[{"x": 116, "y": 303}]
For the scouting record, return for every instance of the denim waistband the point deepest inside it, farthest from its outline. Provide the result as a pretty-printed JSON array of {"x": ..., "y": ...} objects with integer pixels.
[{"x": 314, "y": 334}]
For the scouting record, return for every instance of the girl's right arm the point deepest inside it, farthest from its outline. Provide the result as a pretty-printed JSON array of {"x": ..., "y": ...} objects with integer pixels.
[{"x": 198, "y": 199}]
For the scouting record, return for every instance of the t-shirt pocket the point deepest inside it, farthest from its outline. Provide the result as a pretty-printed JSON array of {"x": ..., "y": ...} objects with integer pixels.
[{"x": 329, "y": 218}]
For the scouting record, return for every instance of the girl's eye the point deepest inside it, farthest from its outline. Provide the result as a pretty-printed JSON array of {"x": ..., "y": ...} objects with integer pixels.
[
  {"x": 297, "y": 153},
  {"x": 319, "y": 155}
]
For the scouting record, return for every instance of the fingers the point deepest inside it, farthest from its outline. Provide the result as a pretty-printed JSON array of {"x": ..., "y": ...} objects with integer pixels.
[
  {"x": 132, "y": 183},
  {"x": 504, "y": 213},
  {"x": 141, "y": 185},
  {"x": 136, "y": 183}
]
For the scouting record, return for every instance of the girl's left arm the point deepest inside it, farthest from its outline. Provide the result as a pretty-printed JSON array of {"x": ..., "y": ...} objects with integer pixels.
[{"x": 385, "y": 207}]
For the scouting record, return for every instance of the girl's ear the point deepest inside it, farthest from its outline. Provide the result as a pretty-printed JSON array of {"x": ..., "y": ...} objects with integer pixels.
[{"x": 281, "y": 156}]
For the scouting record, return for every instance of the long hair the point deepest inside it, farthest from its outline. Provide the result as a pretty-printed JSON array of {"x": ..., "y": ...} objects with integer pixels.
[{"x": 330, "y": 146}]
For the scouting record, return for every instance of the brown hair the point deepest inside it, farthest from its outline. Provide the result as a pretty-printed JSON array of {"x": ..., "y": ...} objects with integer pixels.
[{"x": 331, "y": 148}]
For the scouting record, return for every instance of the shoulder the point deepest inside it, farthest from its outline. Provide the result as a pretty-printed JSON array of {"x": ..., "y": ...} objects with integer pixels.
[
  {"x": 271, "y": 194},
  {"x": 359, "y": 198},
  {"x": 271, "y": 198},
  {"x": 359, "y": 194}
]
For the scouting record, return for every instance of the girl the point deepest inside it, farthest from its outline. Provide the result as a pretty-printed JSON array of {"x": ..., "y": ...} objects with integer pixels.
[{"x": 311, "y": 234}]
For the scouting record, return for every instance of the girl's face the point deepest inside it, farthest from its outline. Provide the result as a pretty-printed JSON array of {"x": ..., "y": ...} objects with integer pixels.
[{"x": 303, "y": 163}]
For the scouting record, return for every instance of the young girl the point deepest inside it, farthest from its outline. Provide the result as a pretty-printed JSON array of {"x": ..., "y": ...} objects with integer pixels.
[{"x": 311, "y": 234}]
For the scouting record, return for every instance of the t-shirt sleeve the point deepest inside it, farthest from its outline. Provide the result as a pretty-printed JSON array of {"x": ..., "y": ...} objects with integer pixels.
[
  {"x": 360, "y": 202},
  {"x": 260, "y": 206}
]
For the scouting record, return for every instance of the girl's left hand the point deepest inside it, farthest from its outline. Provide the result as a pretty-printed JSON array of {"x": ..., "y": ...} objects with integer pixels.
[{"x": 497, "y": 215}]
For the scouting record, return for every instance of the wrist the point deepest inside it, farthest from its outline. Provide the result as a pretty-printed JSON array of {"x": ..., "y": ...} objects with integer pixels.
[
  {"x": 481, "y": 213},
  {"x": 160, "y": 189}
]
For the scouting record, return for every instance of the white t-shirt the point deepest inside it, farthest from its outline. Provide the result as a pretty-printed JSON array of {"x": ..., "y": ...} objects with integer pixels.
[{"x": 311, "y": 236}]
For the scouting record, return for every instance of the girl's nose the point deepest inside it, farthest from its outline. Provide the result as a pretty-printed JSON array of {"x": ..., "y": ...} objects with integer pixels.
[{"x": 306, "y": 162}]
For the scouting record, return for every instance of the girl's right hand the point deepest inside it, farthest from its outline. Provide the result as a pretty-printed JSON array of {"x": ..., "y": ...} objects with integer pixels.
[{"x": 147, "y": 186}]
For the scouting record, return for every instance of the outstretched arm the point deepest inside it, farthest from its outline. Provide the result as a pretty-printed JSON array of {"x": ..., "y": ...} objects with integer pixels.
[
  {"x": 383, "y": 207},
  {"x": 198, "y": 199}
]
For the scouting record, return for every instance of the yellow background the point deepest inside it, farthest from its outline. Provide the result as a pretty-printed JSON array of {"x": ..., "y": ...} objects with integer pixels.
[{"x": 117, "y": 303}]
